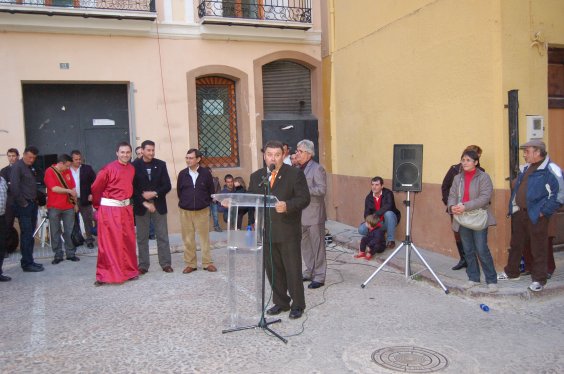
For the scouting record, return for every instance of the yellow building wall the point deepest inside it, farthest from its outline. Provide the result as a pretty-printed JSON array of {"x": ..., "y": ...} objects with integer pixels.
[
  {"x": 525, "y": 62},
  {"x": 429, "y": 76},
  {"x": 436, "y": 73}
]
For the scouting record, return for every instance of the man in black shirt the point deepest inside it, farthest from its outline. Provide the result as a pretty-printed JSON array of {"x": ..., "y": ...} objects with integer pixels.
[
  {"x": 23, "y": 191},
  {"x": 150, "y": 186}
]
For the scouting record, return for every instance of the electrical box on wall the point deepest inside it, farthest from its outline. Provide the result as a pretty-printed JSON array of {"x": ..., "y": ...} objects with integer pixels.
[{"x": 535, "y": 127}]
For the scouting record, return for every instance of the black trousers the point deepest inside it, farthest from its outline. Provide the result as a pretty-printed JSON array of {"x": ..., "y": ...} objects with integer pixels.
[
  {"x": 284, "y": 273},
  {"x": 3, "y": 236},
  {"x": 525, "y": 233}
]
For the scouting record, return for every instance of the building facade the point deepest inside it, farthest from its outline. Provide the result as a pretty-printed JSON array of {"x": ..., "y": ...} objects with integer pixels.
[
  {"x": 223, "y": 76},
  {"x": 445, "y": 74}
]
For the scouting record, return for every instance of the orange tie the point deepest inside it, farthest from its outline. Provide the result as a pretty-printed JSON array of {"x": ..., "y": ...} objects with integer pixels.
[{"x": 272, "y": 178}]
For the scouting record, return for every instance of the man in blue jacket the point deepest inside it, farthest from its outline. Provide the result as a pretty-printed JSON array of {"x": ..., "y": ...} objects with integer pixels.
[
  {"x": 538, "y": 193},
  {"x": 195, "y": 187}
]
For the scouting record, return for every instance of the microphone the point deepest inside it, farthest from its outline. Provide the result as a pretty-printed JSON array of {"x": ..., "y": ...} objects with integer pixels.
[{"x": 266, "y": 178}]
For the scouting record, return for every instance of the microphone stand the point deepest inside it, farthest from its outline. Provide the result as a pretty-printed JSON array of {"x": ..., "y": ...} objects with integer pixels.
[{"x": 263, "y": 323}]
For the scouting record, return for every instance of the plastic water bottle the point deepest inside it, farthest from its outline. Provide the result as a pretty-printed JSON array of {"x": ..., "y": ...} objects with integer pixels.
[
  {"x": 484, "y": 307},
  {"x": 522, "y": 265},
  {"x": 249, "y": 237}
]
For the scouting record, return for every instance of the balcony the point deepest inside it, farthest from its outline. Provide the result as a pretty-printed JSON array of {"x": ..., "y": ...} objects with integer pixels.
[
  {"x": 285, "y": 14},
  {"x": 120, "y": 9}
]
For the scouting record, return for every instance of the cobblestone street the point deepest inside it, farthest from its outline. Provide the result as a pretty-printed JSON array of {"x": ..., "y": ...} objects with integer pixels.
[{"x": 56, "y": 321}]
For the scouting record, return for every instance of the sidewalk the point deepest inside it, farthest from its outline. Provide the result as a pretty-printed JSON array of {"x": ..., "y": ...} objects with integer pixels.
[{"x": 348, "y": 237}]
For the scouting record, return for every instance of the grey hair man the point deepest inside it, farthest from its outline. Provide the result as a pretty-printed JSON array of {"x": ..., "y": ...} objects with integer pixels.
[
  {"x": 538, "y": 193},
  {"x": 314, "y": 216}
]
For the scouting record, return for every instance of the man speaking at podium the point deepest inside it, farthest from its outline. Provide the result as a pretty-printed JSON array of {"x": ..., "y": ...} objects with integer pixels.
[{"x": 283, "y": 229}]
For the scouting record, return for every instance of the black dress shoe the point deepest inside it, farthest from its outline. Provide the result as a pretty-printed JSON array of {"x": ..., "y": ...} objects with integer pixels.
[
  {"x": 296, "y": 313},
  {"x": 57, "y": 261},
  {"x": 5, "y": 278},
  {"x": 276, "y": 309},
  {"x": 168, "y": 269},
  {"x": 314, "y": 285},
  {"x": 73, "y": 259},
  {"x": 35, "y": 264},
  {"x": 306, "y": 279},
  {"x": 32, "y": 269},
  {"x": 461, "y": 264}
]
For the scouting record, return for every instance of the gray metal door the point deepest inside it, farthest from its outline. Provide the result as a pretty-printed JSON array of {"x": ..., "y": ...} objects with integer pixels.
[
  {"x": 92, "y": 118},
  {"x": 287, "y": 104}
]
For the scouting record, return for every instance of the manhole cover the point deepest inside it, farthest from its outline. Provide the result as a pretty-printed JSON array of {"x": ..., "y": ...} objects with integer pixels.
[{"x": 410, "y": 359}]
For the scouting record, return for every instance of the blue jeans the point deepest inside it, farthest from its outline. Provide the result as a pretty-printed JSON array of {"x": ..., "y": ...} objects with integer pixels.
[
  {"x": 477, "y": 241},
  {"x": 27, "y": 218},
  {"x": 213, "y": 210},
  {"x": 390, "y": 223}
]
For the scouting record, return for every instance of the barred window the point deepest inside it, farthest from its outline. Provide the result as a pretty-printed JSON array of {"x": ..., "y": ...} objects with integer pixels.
[{"x": 217, "y": 121}]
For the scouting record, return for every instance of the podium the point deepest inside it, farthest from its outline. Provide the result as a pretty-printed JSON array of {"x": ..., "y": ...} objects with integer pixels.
[{"x": 245, "y": 248}]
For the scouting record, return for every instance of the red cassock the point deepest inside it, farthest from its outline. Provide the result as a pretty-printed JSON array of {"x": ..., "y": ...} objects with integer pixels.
[{"x": 117, "y": 258}]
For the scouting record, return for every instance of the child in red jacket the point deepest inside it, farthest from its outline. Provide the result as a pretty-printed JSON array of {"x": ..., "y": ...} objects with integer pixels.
[{"x": 374, "y": 241}]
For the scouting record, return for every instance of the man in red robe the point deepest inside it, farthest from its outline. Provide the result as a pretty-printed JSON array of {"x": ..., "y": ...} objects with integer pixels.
[{"x": 111, "y": 193}]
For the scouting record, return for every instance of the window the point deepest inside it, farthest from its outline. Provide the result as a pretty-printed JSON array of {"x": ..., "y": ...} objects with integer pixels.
[{"x": 217, "y": 121}]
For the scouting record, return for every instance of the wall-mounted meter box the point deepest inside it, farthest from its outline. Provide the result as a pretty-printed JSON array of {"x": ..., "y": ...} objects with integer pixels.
[{"x": 535, "y": 127}]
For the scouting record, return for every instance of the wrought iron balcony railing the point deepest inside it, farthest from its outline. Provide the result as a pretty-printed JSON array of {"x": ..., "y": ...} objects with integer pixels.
[
  {"x": 254, "y": 11},
  {"x": 141, "y": 9}
]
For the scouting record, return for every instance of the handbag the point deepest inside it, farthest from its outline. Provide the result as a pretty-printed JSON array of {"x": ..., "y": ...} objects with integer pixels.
[
  {"x": 476, "y": 219},
  {"x": 76, "y": 235}
]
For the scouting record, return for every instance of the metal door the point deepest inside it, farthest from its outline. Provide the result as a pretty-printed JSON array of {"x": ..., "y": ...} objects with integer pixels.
[{"x": 92, "y": 118}]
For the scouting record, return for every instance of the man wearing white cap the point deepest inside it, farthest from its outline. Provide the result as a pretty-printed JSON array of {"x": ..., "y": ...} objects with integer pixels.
[{"x": 538, "y": 193}]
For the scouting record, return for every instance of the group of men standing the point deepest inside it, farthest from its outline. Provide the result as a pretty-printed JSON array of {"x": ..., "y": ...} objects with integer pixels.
[{"x": 67, "y": 184}]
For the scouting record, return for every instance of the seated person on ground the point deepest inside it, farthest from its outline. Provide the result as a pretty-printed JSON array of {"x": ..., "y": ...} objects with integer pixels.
[
  {"x": 380, "y": 203},
  {"x": 373, "y": 242}
]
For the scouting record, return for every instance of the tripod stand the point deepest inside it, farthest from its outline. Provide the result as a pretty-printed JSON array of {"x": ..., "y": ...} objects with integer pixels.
[
  {"x": 40, "y": 228},
  {"x": 263, "y": 323},
  {"x": 407, "y": 243}
]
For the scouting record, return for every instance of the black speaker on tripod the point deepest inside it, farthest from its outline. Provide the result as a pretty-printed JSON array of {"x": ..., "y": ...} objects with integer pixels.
[{"x": 408, "y": 167}]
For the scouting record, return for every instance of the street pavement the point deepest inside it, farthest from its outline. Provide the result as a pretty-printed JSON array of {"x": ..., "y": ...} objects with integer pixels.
[{"x": 57, "y": 321}]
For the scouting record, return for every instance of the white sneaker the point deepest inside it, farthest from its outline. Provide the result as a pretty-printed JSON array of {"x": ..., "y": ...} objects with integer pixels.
[
  {"x": 536, "y": 287},
  {"x": 503, "y": 277},
  {"x": 492, "y": 287},
  {"x": 471, "y": 284}
]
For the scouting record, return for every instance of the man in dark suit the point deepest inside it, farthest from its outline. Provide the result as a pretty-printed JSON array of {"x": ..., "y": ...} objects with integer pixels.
[
  {"x": 283, "y": 229},
  {"x": 84, "y": 176},
  {"x": 150, "y": 186}
]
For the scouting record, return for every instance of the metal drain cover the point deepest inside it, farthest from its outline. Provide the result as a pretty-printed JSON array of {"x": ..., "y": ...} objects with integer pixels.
[{"x": 410, "y": 359}]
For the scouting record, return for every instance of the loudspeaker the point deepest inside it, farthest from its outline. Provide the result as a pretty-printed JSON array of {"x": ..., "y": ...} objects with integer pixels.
[{"x": 408, "y": 167}]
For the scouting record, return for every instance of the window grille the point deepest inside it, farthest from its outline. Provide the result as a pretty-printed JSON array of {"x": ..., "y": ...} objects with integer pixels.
[{"x": 217, "y": 122}]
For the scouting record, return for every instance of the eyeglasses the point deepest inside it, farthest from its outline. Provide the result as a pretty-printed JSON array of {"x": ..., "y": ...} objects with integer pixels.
[{"x": 300, "y": 151}]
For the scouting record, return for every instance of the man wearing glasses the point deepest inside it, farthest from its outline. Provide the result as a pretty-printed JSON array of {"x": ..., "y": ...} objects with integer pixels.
[{"x": 195, "y": 187}]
